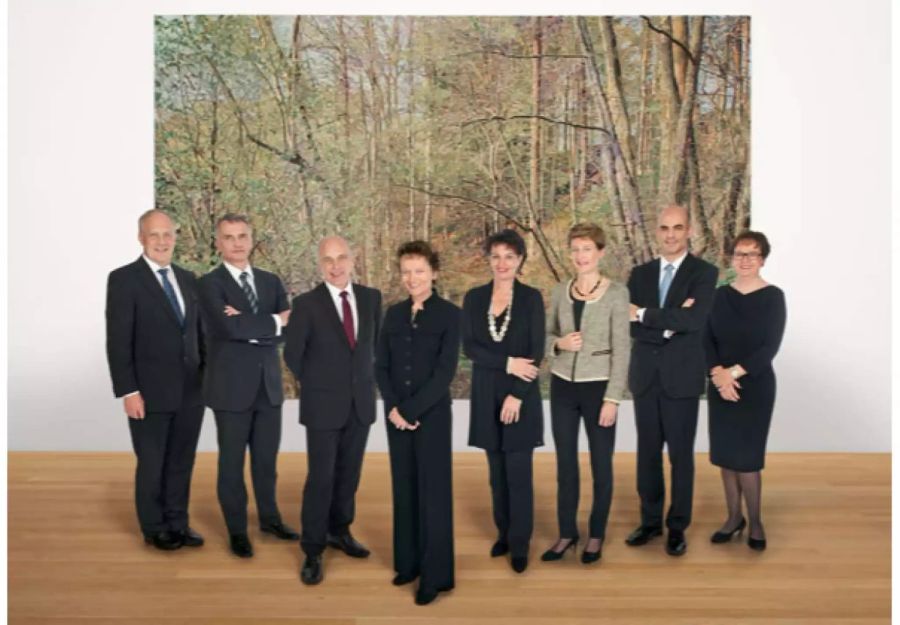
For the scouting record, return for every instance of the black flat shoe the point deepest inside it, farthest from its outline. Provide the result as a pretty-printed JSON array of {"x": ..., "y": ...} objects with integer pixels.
[
  {"x": 311, "y": 573},
  {"x": 400, "y": 580},
  {"x": 757, "y": 544},
  {"x": 280, "y": 530},
  {"x": 348, "y": 545},
  {"x": 551, "y": 555},
  {"x": 240, "y": 545},
  {"x": 589, "y": 557},
  {"x": 724, "y": 537},
  {"x": 676, "y": 545},
  {"x": 164, "y": 540},
  {"x": 190, "y": 538},
  {"x": 518, "y": 563},
  {"x": 642, "y": 535},
  {"x": 424, "y": 597},
  {"x": 499, "y": 548}
]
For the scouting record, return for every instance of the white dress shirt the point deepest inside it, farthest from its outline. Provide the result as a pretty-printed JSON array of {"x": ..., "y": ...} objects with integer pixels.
[
  {"x": 667, "y": 334},
  {"x": 236, "y": 274},
  {"x": 154, "y": 267},
  {"x": 339, "y": 303}
]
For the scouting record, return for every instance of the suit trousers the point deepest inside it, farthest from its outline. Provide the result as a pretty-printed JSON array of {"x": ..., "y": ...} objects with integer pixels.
[
  {"x": 334, "y": 465},
  {"x": 421, "y": 481},
  {"x": 165, "y": 444},
  {"x": 512, "y": 493},
  {"x": 259, "y": 428},
  {"x": 661, "y": 419},
  {"x": 570, "y": 402}
]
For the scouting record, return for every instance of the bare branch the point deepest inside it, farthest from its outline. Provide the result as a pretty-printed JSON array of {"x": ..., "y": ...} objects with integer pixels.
[
  {"x": 500, "y": 118},
  {"x": 669, "y": 36}
]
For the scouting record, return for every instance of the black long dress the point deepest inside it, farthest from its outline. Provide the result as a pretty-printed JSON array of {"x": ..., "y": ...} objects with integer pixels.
[
  {"x": 743, "y": 330},
  {"x": 414, "y": 366}
]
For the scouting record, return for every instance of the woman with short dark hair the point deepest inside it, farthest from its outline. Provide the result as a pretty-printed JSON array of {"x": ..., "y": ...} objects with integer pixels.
[
  {"x": 414, "y": 365},
  {"x": 503, "y": 336},
  {"x": 742, "y": 336}
]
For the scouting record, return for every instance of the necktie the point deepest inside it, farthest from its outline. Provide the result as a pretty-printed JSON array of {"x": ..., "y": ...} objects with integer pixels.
[
  {"x": 170, "y": 295},
  {"x": 348, "y": 319},
  {"x": 248, "y": 291},
  {"x": 668, "y": 271}
]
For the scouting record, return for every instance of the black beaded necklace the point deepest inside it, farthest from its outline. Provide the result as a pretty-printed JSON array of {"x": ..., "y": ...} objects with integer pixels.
[{"x": 589, "y": 293}]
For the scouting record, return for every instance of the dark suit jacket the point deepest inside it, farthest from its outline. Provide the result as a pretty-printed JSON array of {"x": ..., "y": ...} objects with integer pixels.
[
  {"x": 147, "y": 349},
  {"x": 680, "y": 359},
  {"x": 235, "y": 365},
  {"x": 333, "y": 378}
]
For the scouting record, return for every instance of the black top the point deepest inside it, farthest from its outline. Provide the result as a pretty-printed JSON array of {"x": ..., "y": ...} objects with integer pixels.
[
  {"x": 416, "y": 356},
  {"x": 746, "y": 329},
  {"x": 577, "y": 312}
]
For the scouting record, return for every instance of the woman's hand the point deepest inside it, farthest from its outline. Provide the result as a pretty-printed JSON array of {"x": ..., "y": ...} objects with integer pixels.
[
  {"x": 400, "y": 423},
  {"x": 509, "y": 412},
  {"x": 522, "y": 368},
  {"x": 725, "y": 383},
  {"x": 571, "y": 342},
  {"x": 608, "y": 413}
]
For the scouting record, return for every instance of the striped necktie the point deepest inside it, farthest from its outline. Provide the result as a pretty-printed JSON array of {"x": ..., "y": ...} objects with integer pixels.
[
  {"x": 170, "y": 295},
  {"x": 248, "y": 291}
]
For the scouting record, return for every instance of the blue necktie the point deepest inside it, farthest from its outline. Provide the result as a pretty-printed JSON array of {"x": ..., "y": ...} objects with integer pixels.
[
  {"x": 668, "y": 272},
  {"x": 248, "y": 291},
  {"x": 170, "y": 293}
]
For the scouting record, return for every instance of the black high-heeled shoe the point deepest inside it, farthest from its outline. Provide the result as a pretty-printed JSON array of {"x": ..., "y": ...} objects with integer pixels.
[
  {"x": 589, "y": 557},
  {"x": 724, "y": 537},
  {"x": 757, "y": 544},
  {"x": 551, "y": 555}
]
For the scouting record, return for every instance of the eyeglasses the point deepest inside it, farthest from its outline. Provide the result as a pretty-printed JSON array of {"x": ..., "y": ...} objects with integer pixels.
[{"x": 747, "y": 255}]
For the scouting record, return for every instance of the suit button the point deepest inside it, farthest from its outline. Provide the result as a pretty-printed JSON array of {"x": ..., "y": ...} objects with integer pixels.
[
  {"x": 409, "y": 338},
  {"x": 656, "y": 352},
  {"x": 407, "y": 382},
  {"x": 407, "y": 367}
]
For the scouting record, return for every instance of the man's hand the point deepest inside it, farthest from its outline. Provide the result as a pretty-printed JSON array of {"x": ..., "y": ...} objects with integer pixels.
[
  {"x": 509, "y": 413},
  {"x": 285, "y": 315},
  {"x": 231, "y": 311},
  {"x": 632, "y": 312},
  {"x": 134, "y": 406},
  {"x": 522, "y": 368},
  {"x": 608, "y": 414},
  {"x": 688, "y": 302},
  {"x": 571, "y": 342},
  {"x": 399, "y": 422}
]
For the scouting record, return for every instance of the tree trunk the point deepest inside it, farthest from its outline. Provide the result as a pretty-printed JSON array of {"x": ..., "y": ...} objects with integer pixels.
[{"x": 534, "y": 186}]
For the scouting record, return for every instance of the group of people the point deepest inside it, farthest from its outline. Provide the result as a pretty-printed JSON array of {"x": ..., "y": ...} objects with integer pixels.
[{"x": 176, "y": 343}]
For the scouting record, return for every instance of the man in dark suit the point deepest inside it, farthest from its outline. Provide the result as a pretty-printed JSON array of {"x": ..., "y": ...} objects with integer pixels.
[
  {"x": 330, "y": 348},
  {"x": 244, "y": 309},
  {"x": 154, "y": 345},
  {"x": 670, "y": 300}
]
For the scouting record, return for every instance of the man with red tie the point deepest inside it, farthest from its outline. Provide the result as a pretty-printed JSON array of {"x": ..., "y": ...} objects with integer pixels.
[{"x": 330, "y": 348}]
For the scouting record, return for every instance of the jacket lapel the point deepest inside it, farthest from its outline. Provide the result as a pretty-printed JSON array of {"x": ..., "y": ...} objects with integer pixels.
[
  {"x": 150, "y": 282},
  {"x": 362, "y": 310},
  {"x": 678, "y": 282},
  {"x": 189, "y": 297},
  {"x": 235, "y": 292}
]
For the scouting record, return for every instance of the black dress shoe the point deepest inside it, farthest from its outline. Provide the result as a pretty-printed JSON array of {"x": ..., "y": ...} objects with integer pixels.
[
  {"x": 400, "y": 580},
  {"x": 240, "y": 545},
  {"x": 724, "y": 537},
  {"x": 499, "y": 548},
  {"x": 164, "y": 540},
  {"x": 348, "y": 545},
  {"x": 676, "y": 545},
  {"x": 589, "y": 557},
  {"x": 551, "y": 555},
  {"x": 642, "y": 535},
  {"x": 424, "y": 597},
  {"x": 280, "y": 530},
  {"x": 190, "y": 538},
  {"x": 311, "y": 573},
  {"x": 518, "y": 563},
  {"x": 757, "y": 544}
]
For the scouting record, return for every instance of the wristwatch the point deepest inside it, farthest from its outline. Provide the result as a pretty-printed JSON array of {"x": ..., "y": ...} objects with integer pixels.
[{"x": 734, "y": 373}]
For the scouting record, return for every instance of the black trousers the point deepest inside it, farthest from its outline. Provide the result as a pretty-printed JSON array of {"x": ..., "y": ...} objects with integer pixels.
[
  {"x": 258, "y": 428},
  {"x": 334, "y": 465},
  {"x": 165, "y": 444},
  {"x": 661, "y": 419},
  {"x": 512, "y": 492},
  {"x": 421, "y": 469},
  {"x": 570, "y": 402}
]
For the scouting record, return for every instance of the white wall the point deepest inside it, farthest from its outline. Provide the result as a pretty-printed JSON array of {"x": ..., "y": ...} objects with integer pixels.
[{"x": 81, "y": 171}]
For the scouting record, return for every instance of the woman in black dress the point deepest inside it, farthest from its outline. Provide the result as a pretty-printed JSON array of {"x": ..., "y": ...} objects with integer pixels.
[
  {"x": 414, "y": 365},
  {"x": 503, "y": 336},
  {"x": 742, "y": 337}
]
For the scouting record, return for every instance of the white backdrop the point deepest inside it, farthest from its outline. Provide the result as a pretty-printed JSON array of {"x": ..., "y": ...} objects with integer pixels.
[{"x": 81, "y": 171}]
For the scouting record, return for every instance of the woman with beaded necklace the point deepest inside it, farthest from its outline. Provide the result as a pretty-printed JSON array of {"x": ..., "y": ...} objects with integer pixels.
[
  {"x": 589, "y": 347},
  {"x": 503, "y": 336}
]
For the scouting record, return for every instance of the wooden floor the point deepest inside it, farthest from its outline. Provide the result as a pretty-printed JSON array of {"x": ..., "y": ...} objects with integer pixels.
[{"x": 75, "y": 553}]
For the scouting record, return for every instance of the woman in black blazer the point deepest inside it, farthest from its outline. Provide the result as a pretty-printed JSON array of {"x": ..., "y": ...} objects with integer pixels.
[
  {"x": 418, "y": 349},
  {"x": 503, "y": 336}
]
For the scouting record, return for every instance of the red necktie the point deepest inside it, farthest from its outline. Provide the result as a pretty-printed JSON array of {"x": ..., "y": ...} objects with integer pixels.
[{"x": 348, "y": 319}]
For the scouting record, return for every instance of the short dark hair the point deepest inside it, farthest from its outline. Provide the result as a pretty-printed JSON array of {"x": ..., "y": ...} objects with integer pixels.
[
  {"x": 587, "y": 230},
  {"x": 751, "y": 236},
  {"x": 509, "y": 238},
  {"x": 420, "y": 248},
  {"x": 233, "y": 218}
]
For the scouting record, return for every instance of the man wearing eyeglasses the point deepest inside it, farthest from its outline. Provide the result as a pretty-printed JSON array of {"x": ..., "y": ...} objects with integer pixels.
[{"x": 671, "y": 298}]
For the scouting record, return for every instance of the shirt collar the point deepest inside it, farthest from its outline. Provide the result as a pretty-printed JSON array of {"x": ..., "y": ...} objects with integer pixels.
[
  {"x": 154, "y": 266},
  {"x": 675, "y": 263},
  {"x": 336, "y": 292},
  {"x": 236, "y": 273}
]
